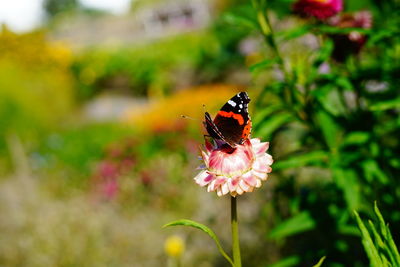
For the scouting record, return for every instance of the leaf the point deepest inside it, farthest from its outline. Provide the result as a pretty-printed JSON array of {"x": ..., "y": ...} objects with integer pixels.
[
  {"x": 371, "y": 170},
  {"x": 297, "y": 224},
  {"x": 368, "y": 244},
  {"x": 337, "y": 30},
  {"x": 295, "y": 33},
  {"x": 324, "y": 52},
  {"x": 286, "y": 262},
  {"x": 264, "y": 64},
  {"x": 387, "y": 235},
  {"x": 347, "y": 180},
  {"x": 349, "y": 230},
  {"x": 264, "y": 113},
  {"x": 330, "y": 130},
  {"x": 320, "y": 262},
  {"x": 274, "y": 123},
  {"x": 330, "y": 98},
  {"x": 344, "y": 83},
  {"x": 205, "y": 229},
  {"x": 313, "y": 158},
  {"x": 385, "y": 105},
  {"x": 356, "y": 138},
  {"x": 241, "y": 16}
]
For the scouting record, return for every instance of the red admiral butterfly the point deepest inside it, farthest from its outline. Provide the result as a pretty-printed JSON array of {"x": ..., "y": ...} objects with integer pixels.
[{"x": 232, "y": 124}]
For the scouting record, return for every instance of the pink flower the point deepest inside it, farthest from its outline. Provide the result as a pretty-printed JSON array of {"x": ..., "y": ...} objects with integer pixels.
[
  {"x": 235, "y": 171},
  {"x": 321, "y": 9}
]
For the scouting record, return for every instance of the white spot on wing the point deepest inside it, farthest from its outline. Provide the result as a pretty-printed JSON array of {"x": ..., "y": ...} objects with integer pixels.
[
  {"x": 240, "y": 106},
  {"x": 232, "y": 103}
]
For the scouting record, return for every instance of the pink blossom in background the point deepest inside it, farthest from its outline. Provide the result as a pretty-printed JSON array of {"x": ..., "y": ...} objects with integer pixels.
[
  {"x": 109, "y": 189},
  {"x": 353, "y": 42},
  {"x": 235, "y": 171},
  {"x": 321, "y": 9}
]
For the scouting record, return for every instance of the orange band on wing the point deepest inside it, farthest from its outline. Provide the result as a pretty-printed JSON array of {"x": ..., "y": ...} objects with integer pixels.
[{"x": 230, "y": 114}]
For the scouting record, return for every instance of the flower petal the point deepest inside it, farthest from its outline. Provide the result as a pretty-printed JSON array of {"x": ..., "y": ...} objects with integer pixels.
[
  {"x": 243, "y": 185},
  {"x": 260, "y": 175},
  {"x": 203, "y": 178},
  {"x": 261, "y": 148},
  {"x": 251, "y": 180},
  {"x": 235, "y": 171},
  {"x": 225, "y": 189}
]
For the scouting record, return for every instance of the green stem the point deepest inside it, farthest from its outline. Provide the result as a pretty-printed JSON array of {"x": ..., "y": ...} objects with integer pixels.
[
  {"x": 235, "y": 234},
  {"x": 268, "y": 33}
]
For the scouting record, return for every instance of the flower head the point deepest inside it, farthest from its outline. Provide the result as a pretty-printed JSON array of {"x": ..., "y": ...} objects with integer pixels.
[
  {"x": 321, "y": 9},
  {"x": 351, "y": 43},
  {"x": 174, "y": 246},
  {"x": 234, "y": 170}
]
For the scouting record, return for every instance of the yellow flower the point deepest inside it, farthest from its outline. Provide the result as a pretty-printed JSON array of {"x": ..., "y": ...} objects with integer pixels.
[{"x": 174, "y": 246}]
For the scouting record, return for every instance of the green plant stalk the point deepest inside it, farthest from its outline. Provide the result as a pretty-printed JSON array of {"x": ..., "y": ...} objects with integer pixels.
[
  {"x": 269, "y": 36},
  {"x": 268, "y": 33},
  {"x": 235, "y": 234}
]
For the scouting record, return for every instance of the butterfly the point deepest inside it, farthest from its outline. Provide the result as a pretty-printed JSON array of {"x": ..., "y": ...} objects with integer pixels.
[{"x": 232, "y": 124}]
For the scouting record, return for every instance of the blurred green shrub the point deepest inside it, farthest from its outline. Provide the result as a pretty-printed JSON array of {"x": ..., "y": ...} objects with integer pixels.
[
  {"x": 144, "y": 70},
  {"x": 36, "y": 88},
  {"x": 156, "y": 68}
]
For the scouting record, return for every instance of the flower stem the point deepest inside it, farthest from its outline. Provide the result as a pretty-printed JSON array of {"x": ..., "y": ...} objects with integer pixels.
[{"x": 235, "y": 234}]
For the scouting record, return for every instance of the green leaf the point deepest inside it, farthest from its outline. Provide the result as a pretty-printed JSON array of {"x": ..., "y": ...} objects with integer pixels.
[
  {"x": 330, "y": 130},
  {"x": 344, "y": 83},
  {"x": 313, "y": 158},
  {"x": 368, "y": 244},
  {"x": 320, "y": 262},
  {"x": 337, "y": 30},
  {"x": 297, "y": 224},
  {"x": 286, "y": 262},
  {"x": 387, "y": 235},
  {"x": 274, "y": 123},
  {"x": 324, "y": 52},
  {"x": 349, "y": 230},
  {"x": 295, "y": 33},
  {"x": 264, "y": 113},
  {"x": 241, "y": 16},
  {"x": 356, "y": 138},
  {"x": 330, "y": 98},
  {"x": 205, "y": 229},
  {"x": 264, "y": 64},
  {"x": 385, "y": 105},
  {"x": 377, "y": 237},
  {"x": 347, "y": 180},
  {"x": 372, "y": 170}
]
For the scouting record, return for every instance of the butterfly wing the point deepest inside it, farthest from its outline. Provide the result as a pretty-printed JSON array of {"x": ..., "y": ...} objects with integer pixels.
[
  {"x": 211, "y": 128},
  {"x": 233, "y": 121}
]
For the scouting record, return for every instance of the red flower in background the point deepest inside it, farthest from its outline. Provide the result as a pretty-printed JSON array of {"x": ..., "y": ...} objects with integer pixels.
[
  {"x": 321, "y": 9},
  {"x": 351, "y": 43}
]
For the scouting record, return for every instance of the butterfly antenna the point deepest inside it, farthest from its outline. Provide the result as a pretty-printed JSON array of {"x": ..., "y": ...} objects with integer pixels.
[{"x": 187, "y": 117}]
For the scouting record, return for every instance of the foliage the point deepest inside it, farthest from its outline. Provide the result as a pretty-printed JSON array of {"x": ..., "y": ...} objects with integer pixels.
[
  {"x": 30, "y": 70},
  {"x": 380, "y": 248},
  {"x": 96, "y": 189},
  {"x": 175, "y": 62},
  {"x": 54, "y": 8},
  {"x": 343, "y": 126}
]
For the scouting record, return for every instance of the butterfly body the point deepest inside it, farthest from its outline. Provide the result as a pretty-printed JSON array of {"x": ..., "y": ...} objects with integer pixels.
[{"x": 232, "y": 124}]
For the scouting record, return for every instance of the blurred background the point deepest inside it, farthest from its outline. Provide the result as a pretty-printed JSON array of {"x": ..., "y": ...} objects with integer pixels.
[{"x": 95, "y": 157}]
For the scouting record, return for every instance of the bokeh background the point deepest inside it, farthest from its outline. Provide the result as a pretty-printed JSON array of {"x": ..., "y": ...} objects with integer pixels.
[{"x": 95, "y": 156}]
